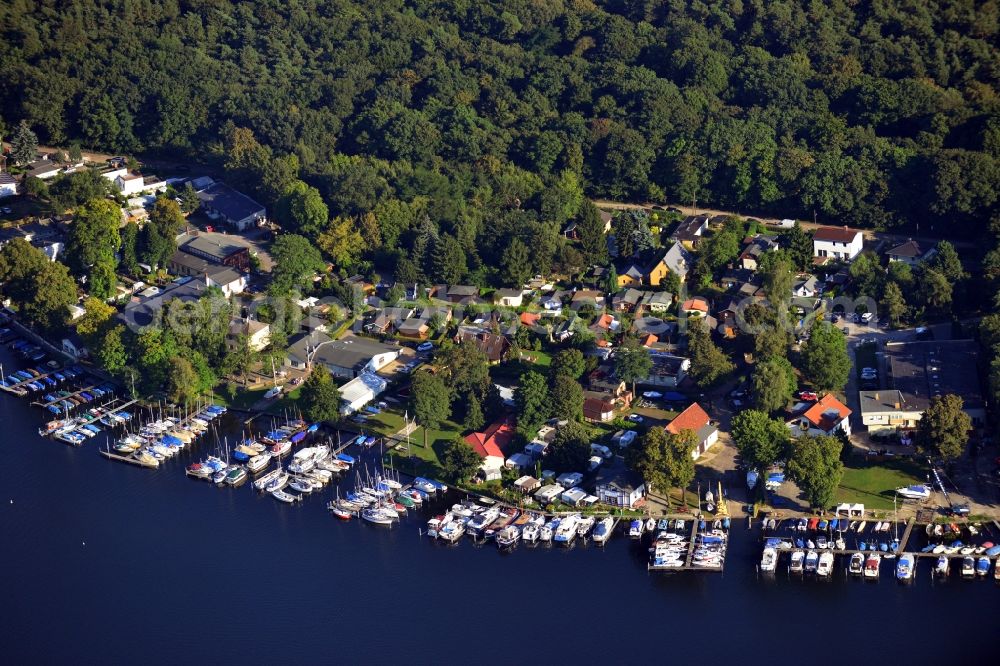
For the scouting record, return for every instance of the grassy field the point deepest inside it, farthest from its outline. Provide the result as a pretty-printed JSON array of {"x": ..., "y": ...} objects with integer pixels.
[
  {"x": 872, "y": 484},
  {"x": 420, "y": 459}
]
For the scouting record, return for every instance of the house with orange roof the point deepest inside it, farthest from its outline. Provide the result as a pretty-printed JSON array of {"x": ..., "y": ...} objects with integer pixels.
[
  {"x": 826, "y": 416},
  {"x": 695, "y": 307},
  {"x": 695, "y": 419},
  {"x": 490, "y": 445}
]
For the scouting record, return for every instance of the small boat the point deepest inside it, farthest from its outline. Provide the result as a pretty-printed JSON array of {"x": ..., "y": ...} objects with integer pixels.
[
  {"x": 856, "y": 565},
  {"x": 798, "y": 560},
  {"x": 862, "y": 525},
  {"x": 942, "y": 566},
  {"x": 377, "y": 516},
  {"x": 769, "y": 560},
  {"x": 982, "y": 566},
  {"x": 584, "y": 526},
  {"x": 529, "y": 533},
  {"x": 918, "y": 492},
  {"x": 650, "y": 524},
  {"x": 259, "y": 462},
  {"x": 663, "y": 524},
  {"x": 602, "y": 531},
  {"x": 341, "y": 513},
  {"x": 636, "y": 528},
  {"x": 235, "y": 476},
  {"x": 853, "y": 526},
  {"x": 301, "y": 485},
  {"x": 904, "y": 567},
  {"x": 996, "y": 572},
  {"x": 872, "y": 563},
  {"x": 840, "y": 544},
  {"x": 968, "y": 567},
  {"x": 825, "y": 566},
  {"x": 282, "y": 496},
  {"x": 812, "y": 561}
]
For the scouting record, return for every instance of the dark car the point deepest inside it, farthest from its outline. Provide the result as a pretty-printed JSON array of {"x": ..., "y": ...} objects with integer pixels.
[{"x": 960, "y": 509}]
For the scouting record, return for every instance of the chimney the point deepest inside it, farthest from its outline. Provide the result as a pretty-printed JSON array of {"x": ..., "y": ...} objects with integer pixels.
[
  {"x": 876, "y": 396},
  {"x": 896, "y": 405}
]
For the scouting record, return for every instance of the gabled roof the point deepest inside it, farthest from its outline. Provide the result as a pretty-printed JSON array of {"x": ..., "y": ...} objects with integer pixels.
[
  {"x": 677, "y": 259},
  {"x": 826, "y": 413},
  {"x": 692, "y": 418},
  {"x": 690, "y": 228},
  {"x": 697, "y": 304},
  {"x": 491, "y": 441},
  {"x": 910, "y": 249},
  {"x": 835, "y": 234},
  {"x": 230, "y": 203}
]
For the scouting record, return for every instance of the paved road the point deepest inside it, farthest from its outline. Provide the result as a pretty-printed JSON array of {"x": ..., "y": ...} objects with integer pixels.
[{"x": 869, "y": 234}]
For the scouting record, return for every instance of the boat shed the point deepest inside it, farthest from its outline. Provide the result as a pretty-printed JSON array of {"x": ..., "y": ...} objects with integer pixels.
[
  {"x": 548, "y": 494},
  {"x": 527, "y": 484},
  {"x": 573, "y": 496}
]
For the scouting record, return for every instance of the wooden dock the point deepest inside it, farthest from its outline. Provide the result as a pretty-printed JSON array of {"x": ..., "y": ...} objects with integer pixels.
[
  {"x": 12, "y": 387},
  {"x": 127, "y": 459},
  {"x": 692, "y": 536},
  {"x": 108, "y": 412},
  {"x": 46, "y": 405}
]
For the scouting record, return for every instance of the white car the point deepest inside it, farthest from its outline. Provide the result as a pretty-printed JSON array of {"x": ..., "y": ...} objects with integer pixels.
[
  {"x": 652, "y": 394},
  {"x": 425, "y": 346},
  {"x": 635, "y": 418}
]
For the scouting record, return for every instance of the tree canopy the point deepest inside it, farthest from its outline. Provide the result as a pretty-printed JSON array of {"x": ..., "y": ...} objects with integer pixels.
[
  {"x": 319, "y": 396},
  {"x": 943, "y": 429},
  {"x": 816, "y": 468},
  {"x": 826, "y": 361},
  {"x": 761, "y": 440}
]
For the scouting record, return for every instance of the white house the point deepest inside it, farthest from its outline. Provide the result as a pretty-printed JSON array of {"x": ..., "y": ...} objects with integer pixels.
[
  {"x": 827, "y": 416},
  {"x": 129, "y": 183},
  {"x": 229, "y": 280},
  {"x": 74, "y": 346},
  {"x": 114, "y": 174},
  {"x": 258, "y": 333},
  {"x": 839, "y": 243},
  {"x": 624, "y": 491},
  {"x": 361, "y": 390},
  {"x": 511, "y": 298},
  {"x": 805, "y": 286},
  {"x": 696, "y": 419},
  {"x": 8, "y": 185}
]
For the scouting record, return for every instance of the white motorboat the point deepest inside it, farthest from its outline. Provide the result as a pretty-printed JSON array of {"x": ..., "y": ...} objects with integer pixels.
[
  {"x": 602, "y": 531},
  {"x": 508, "y": 536},
  {"x": 530, "y": 533},
  {"x": 566, "y": 531},
  {"x": 650, "y": 524},
  {"x": 584, "y": 526},
  {"x": 257, "y": 463},
  {"x": 872, "y": 563},
  {"x": 857, "y": 564},
  {"x": 968, "y": 567},
  {"x": 798, "y": 561},
  {"x": 904, "y": 567},
  {"x": 825, "y": 566},
  {"x": 942, "y": 566},
  {"x": 282, "y": 496},
  {"x": 769, "y": 560},
  {"x": 917, "y": 492}
]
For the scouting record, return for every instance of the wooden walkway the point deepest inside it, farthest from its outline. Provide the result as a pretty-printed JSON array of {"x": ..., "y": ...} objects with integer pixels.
[
  {"x": 58, "y": 400},
  {"x": 693, "y": 535},
  {"x": 126, "y": 459}
]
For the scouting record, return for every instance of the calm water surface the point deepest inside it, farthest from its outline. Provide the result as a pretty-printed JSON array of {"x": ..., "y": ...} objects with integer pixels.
[{"x": 102, "y": 562}]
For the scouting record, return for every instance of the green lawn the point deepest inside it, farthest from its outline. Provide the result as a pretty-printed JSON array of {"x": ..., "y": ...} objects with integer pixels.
[
  {"x": 872, "y": 484},
  {"x": 420, "y": 459}
]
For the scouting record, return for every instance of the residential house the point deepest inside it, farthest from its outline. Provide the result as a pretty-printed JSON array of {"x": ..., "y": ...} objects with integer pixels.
[
  {"x": 360, "y": 391},
  {"x": 754, "y": 248},
  {"x": 460, "y": 293},
  {"x": 838, "y": 243},
  {"x": 645, "y": 326},
  {"x": 527, "y": 484},
  {"x": 8, "y": 185},
  {"x": 695, "y": 419},
  {"x": 228, "y": 280},
  {"x": 257, "y": 333},
  {"x": 129, "y": 183},
  {"x": 598, "y": 409},
  {"x": 415, "y": 328},
  {"x": 827, "y": 416},
  {"x": 657, "y": 302},
  {"x": 73, "y": 345},
  {"x": 144, "y": 309},
  {"x": 43, "y": 169},
  {"x": 668, "y": 370},
  {"x": 219, "y": 201},
  {"x": 805, "y": 286},
  {"x": 602, "y": 381},
  {"x": 690, "y": 230},
  {"x": 386, "y": 320},
  {"x": 621, "y": 488},
  {"x": 604, "y": 324},
  {"x": 345, "y": 358},
  {"x": 911, "y": 252},
  {"x": 732, "y": 278},
  {"x": 511, "y": 298},
  {"x": 490, "y": 445},
  {"x": 676, "y": 260},
  {"x": 695, "y": 307},
  {"x": 494, "y": 346},
  {"x": 553, "y": 301},
  {"x": 653, "y": 266},
  {"x": 590, "y": 297},
  {"x": 548, "y": 494},
  {"x": 753, "y": 288}
]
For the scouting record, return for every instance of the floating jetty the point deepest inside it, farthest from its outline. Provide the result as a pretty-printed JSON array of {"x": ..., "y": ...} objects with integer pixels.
[{"x": 128, "y": 459}]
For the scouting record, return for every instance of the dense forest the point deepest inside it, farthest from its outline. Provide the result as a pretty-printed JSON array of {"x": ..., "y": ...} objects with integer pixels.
[{"x": 483, "y": 123}]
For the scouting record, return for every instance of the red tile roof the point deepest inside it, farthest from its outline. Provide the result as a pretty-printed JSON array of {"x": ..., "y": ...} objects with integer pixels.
[
  {"x": 493, "y": 440},
  {"x": 692, "y": 418},
  {"x": 650, "y": 340},
  {"x": 835, "y": 234},
  {"x": 530, "y": 318},
  {"x": 696, "y": 303},
  {"x": 826, "y": 413}
]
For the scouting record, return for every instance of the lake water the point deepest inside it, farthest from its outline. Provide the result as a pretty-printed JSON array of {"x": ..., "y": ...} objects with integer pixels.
[{"x": 104, "y": 562}]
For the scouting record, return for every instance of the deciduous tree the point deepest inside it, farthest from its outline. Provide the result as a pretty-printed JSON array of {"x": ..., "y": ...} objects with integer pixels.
[
  {"x": 761, "y": 440},
  {"x": 826, "y": 361},
  {"x": 943, "y": 429},
  {"x": 319, "y": 397},
  {"x": 816, "y": 468}
]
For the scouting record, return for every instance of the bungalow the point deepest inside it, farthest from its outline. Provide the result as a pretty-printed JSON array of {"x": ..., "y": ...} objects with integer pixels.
[
  {"x": 695, "y": 419},
  {"x": 598, "y": 410},
  {"x": 8, "y": 185},
  {"x": 657, "y": 302},
  {"x": 228, "y": 280},
  {"x": 527, "y": 484},
  {"x": 630, "y": 272},
  {"x": 604, "y": 324},
  {"x": 690, "y": 230},
  {"x": 43, "y": 169},
  {"x": 461, "y": 293},
  {"x": 668, "y": 370},
  {"x": 733, "y": 277},
  {"x": 219, "y": 201},
  {"x": 805, "y": 286},
  {"x": 387, "y": 320},
  {"x": 590, "y": 297},
  {"x": 129, "y": 183},
  {"x": 416, "y": 328},
  {"x": 676, "y": 260},
  {"x": 490, "y": 445},
  {"x": 345, "y": 358},
  {"x": 755, "y": 248},
  {"x": 624, "y": 490},
  {"x": 548, "y": 494},
  {"x": 360, "y": 391},
  {"x": 910, "y": 252},
  {"x": 838, "y": 243},
  {"x": 511, "y": 298},
  {"x": 824, "y": 417},
  {"x": 695, "y": 307},
  {"x": 626, "y": 300},
  {"x": 258, "y": 334}
]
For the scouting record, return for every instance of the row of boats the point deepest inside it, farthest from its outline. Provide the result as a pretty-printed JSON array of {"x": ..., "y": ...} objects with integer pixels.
[
  {"x": 164, "y": 438},
  {"x": 508, "y": 526},
  {"x": 832, "y": 525},
  {"x": 381, "y": 499}
]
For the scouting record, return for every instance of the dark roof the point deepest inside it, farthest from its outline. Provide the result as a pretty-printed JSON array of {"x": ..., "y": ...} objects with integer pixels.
[
  {"x": 351, "y": 352},
  {"x": 146, "y": 311},
  {"x": 690, "y": 228},
  {"x": 922, "y": 370},
  {"x": 494, "y": 346},
  {"x": 229, "y": 203},
  {"x": 7, "y": 179},
  {"x": 216, "y": 246},
  {"x": 910, "y": 249},
  {"x": 835, "y": 234}
]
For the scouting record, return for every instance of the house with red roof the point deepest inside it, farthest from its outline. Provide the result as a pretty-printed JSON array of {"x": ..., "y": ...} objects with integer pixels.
[
  {"x": 695, "y": 419},
  {"x": 490, "y": 445},
  {"x": 837, "y": 243},
  {"x": 826, "y": 416}
]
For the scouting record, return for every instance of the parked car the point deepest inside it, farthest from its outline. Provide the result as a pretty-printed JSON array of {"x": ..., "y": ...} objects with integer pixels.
[
  {"x": 425, "y": 346},
  {"x": 808, "y": 395},
  {"x": 635, "y": 418},
  {"x": 652, "y": 394}
]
